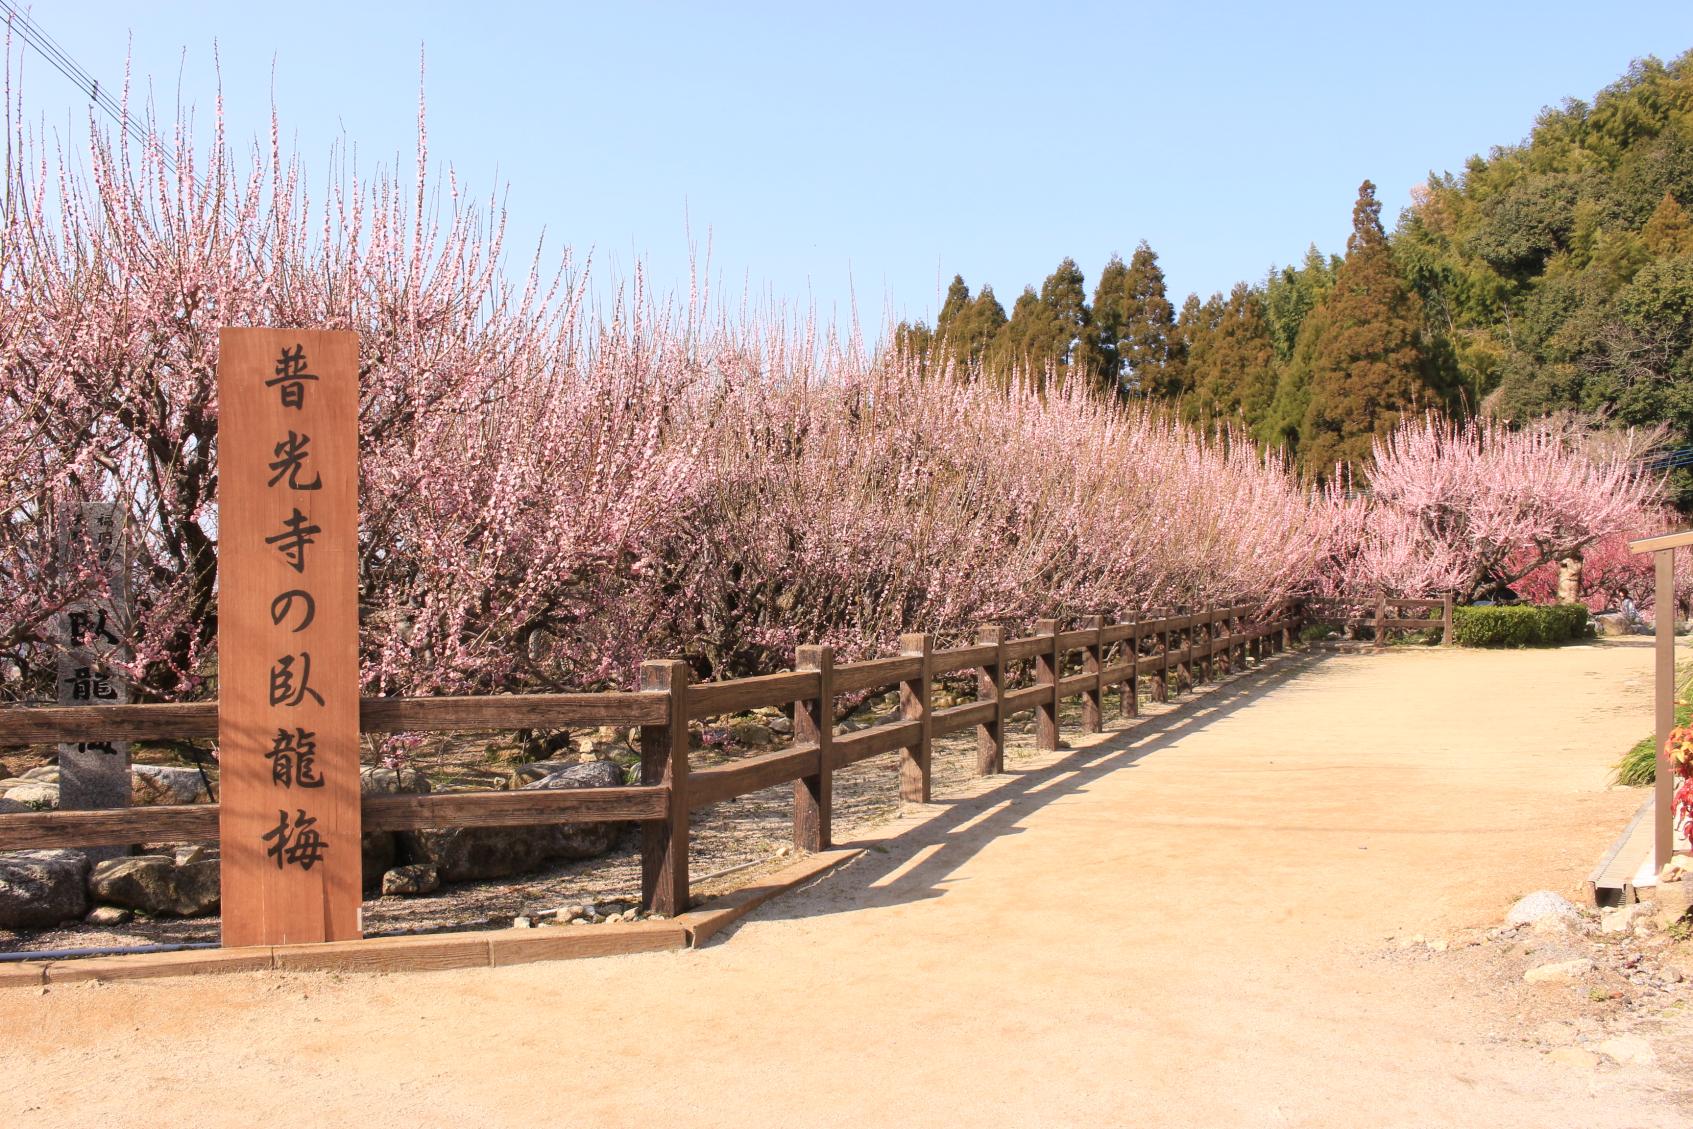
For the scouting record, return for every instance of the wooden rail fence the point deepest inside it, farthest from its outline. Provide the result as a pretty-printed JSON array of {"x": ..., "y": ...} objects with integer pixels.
[
  {"x": 1382, "y": 614},
  {"x": 1176, "y": 652}
]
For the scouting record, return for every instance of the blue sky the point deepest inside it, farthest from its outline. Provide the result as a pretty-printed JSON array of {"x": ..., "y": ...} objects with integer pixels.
[{"x": 873, "y": 150}]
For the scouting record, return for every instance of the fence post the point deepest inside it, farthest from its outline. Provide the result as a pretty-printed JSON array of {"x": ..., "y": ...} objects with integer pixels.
[
  {"x": 1128, "y": 697},
  {"x": 914, "y": 706},
  {"x": 1381, "y": 619},
  {"x": 1284, "y": 637},
  {"x": 1092, "y": 717},
  {"x": 1245, "y": 643},
  {"x": 1185, "y": 664},
  {"x": 990, "y": 687},
  {"x": 1446, "y": 619},
  {"x": 1046, "y": 674},
  {"x": 1161, "y": 640},
  {"x": 814, "y": 723},
  {"x": 664, "y": 760}
]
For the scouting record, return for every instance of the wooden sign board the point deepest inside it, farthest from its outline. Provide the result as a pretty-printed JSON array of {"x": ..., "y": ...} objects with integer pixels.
[{"x": 288, "y": 635}]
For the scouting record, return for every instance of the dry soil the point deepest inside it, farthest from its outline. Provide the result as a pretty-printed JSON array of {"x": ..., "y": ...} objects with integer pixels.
[{"x": 1199, "y": 920}]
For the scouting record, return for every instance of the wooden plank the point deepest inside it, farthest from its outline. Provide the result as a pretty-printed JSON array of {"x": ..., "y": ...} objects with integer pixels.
[
  {"x": 1018, "y": 649},
  {"x": 717, "y": 915},
  {"x": 1016, "y": 701},
  {"x": 574, "y": 942},
  {"x": 1074, "y": 640},
  {"x": 1662, "y": 541},
  {"x": 387, "y": 954},
  {"x": 510, "y": 711},
  {"x": 1077, "y": 684},
  {"x": 915, "y": 708},
  {"x": 189, "y": 721},
  {"x": 874, "y": 742},
  {"x": 149, "y": 966},
  {"x": 814, "y": 724},
  {"x": 26, "y": 974},
  {"x": 990, "y": 688},
  {"x": 726, "y": 781},
  {"x": 44, "y": 725},
  {"x": 288, "y": 635},
  {"x": 1121, "y": 632},
  {"x": 1117, "y": 672},
  {"x": 519, "y": 808},
  {"x": 709, "y": 699},
  {"x": 664, "y": 763},
  {"x": 954, "y": 718},
  {"x": 52, "y": 830},
  {"x": 873, "y": 675},
  {"x": 961, "y": 658}
]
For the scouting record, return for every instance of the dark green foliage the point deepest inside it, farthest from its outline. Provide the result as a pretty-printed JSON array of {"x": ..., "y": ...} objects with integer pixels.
[
  {"x": 1230, "y": 368},
  {"x": 1551, "y": 266},
  {"x": 1133, "y": 344},
  {"x": 1519, "y": 625},
  {"x": 1368, "y": 366}
]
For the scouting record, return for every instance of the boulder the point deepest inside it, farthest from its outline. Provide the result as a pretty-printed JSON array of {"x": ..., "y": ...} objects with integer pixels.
[
  {"x": 39, "y": 889},
  {"x": 35, "y": 795},
  {"x": 155, "y": 884},
  {"x": 1622, "y": 918},
  {"x": 418, "y": 878},
  {"x": 1532, "y": 907},
  {"x": 752, "y": 734},
  {"x": 465, "y": 854},
  {"x": 45, "y": 774},
  {"x": 1613, "y": 623},
  {"x": 380, "y": 850},
  {"x": 536, "y": 770},
  {"x": 159, "y": 784}
]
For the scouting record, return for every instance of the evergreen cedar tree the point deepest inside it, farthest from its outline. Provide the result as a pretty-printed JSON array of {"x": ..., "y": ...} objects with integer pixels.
[
  {"x": 1551, "y": 275},
  {"x": 1367, "y": 367}
]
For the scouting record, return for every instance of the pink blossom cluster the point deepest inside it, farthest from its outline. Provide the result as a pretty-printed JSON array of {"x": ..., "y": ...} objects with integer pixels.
[{"x": 1475, "y": 507}]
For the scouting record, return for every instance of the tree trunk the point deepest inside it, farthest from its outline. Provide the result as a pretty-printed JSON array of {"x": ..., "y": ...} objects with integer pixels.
[{"x": 1569, "y": 579}]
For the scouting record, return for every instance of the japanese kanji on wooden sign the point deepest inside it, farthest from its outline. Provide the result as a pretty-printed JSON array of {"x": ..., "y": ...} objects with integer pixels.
[{"x": 288, "y": 686}]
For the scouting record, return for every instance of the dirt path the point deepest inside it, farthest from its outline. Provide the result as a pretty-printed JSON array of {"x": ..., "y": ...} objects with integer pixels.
[{"x": 1194, "y": 922}]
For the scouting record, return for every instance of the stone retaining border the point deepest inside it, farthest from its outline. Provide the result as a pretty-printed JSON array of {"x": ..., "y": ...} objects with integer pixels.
[{"x": 436, "y": 951}]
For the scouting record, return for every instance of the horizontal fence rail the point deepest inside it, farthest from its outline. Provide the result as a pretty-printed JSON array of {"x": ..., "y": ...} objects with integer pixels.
[
  {"x": 1383, "y": 613},
  {"x": 1173, "y": 651}
]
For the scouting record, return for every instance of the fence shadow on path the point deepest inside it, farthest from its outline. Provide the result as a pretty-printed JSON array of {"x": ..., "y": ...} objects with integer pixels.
[{"x": 914, "y": 865}]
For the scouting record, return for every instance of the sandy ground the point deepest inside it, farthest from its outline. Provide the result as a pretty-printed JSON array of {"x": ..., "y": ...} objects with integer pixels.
[{"x": 1195, "y": 921}]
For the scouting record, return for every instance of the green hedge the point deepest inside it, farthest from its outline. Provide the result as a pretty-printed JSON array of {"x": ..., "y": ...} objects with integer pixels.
[{"x": 1519, "y": 625}]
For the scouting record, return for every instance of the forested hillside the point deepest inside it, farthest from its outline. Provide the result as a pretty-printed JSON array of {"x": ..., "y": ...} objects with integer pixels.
[{"x": 1552, "y": 274}]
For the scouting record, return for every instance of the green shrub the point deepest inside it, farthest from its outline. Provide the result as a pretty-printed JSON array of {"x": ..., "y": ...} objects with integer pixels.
[{"x": 1520, "y": 625}]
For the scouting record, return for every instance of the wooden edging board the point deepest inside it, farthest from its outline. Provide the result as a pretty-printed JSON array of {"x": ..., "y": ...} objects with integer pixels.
[{"x": 437, "y": 951}]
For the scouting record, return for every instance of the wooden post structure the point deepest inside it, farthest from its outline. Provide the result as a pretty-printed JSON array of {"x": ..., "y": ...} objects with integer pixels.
[
  {"x": 1092, "y": 715},
  {"x": 664, "y": 761},
  {"x": 1128, "y": 698},
  {"x": 1046, "y": 674},
  {"x": 288, "y": 635},
  {"x": 914, "y": 772},
  {"x": 1185, "y": 669},
  {"x": 1161, "y": 641},
  {"x": 990, "y": 687},
  {"x": 1381, "y": 618},
  {"x": 1663, "y": 791},
  {"x": 1446, "y": 619},
  {"x": 814, "y": 723}
]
